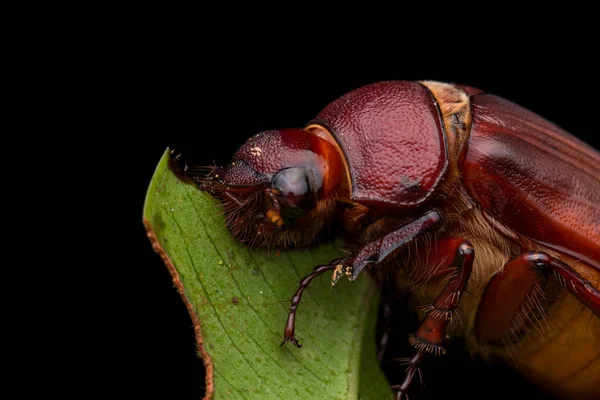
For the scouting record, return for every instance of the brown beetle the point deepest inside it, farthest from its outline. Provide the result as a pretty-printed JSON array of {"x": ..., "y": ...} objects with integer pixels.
[{"x": 486, "y": 208}]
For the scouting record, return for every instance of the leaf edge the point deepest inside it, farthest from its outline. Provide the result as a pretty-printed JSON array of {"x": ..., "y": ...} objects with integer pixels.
[{"x": 158, "y": 249}]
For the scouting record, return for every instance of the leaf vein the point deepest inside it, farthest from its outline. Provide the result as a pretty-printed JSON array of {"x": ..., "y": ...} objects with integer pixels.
[{"x": 215, "y": 372}]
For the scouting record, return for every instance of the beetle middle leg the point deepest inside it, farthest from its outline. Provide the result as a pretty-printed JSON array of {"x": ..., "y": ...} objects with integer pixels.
[{"x": 431, "y": 334}]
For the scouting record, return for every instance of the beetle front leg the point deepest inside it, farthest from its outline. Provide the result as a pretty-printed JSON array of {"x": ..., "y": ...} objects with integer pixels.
[
  {"x": 377, "y": 250},
  {"x": 431, "y": 334},
  {"x": 372, "y": 252}
]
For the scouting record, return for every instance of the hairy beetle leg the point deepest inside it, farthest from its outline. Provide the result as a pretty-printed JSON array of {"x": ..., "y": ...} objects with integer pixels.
[
  {"x": 515, "y": 287},
  {"x": 583, "y": 290},
  {"x": 291, "y": 321},
  {"x": 430, "y": 336}
]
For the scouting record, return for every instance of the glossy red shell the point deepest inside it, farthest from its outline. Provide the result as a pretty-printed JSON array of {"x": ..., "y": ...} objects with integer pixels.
[
  {"x": 534, "y": 177},
  {"x": 394, "y": 141}
]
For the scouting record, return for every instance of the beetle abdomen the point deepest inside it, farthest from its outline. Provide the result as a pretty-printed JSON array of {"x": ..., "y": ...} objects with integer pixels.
[
  {"x": 534, "y": 177},
  {"x": 394, "y": 141}
]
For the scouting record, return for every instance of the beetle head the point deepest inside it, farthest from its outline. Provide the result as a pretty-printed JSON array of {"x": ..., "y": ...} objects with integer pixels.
[{"x": 279, "y": 189}]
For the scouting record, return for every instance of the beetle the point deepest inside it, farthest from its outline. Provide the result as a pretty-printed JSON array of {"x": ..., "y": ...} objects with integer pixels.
[{"x": 488, "y": 211}]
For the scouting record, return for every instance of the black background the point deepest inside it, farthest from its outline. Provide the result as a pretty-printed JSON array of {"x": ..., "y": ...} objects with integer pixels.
[{"x": 155, "y": 91}]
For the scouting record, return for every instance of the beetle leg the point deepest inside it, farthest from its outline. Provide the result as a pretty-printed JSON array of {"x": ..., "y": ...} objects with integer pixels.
[
  {"x": 430, "y": 336},
  {"x": 372, "y": 252},
  {"x": 514, "y": 286},
  {"x": 375, "y": 251},
  {"x": 583, "y": 290},
  {"x": 291, "y": 321},
  {"x": 413, "y": 366},
  {"x": 385, "y": 336}
]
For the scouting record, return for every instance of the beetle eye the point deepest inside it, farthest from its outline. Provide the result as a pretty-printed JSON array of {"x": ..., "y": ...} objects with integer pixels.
[{"x": 296, "y": 188}]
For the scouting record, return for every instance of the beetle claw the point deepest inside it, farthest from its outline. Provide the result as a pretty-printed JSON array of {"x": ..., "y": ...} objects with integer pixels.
[
  {"x": 292, "y": 339},
  {"x": 401, "y": 396}
]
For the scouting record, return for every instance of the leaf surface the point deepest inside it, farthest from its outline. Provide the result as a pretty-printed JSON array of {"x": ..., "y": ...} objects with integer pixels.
[{"x": 238, "y": 299}]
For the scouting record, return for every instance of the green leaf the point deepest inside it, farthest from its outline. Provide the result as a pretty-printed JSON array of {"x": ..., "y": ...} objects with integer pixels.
[{"x": 239, "y": 298}]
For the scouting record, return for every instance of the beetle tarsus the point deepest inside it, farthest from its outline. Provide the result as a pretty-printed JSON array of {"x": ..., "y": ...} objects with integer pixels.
[
  {"x": 385, "y": 337},
  {"x": 291, "y": 321},
  {"x": 413, "y": 367},
  {"x": 293, "y": 340}
]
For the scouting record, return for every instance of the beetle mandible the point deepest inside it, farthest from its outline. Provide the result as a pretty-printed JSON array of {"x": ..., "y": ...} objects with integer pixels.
[{"x": 490, "y": 199}]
